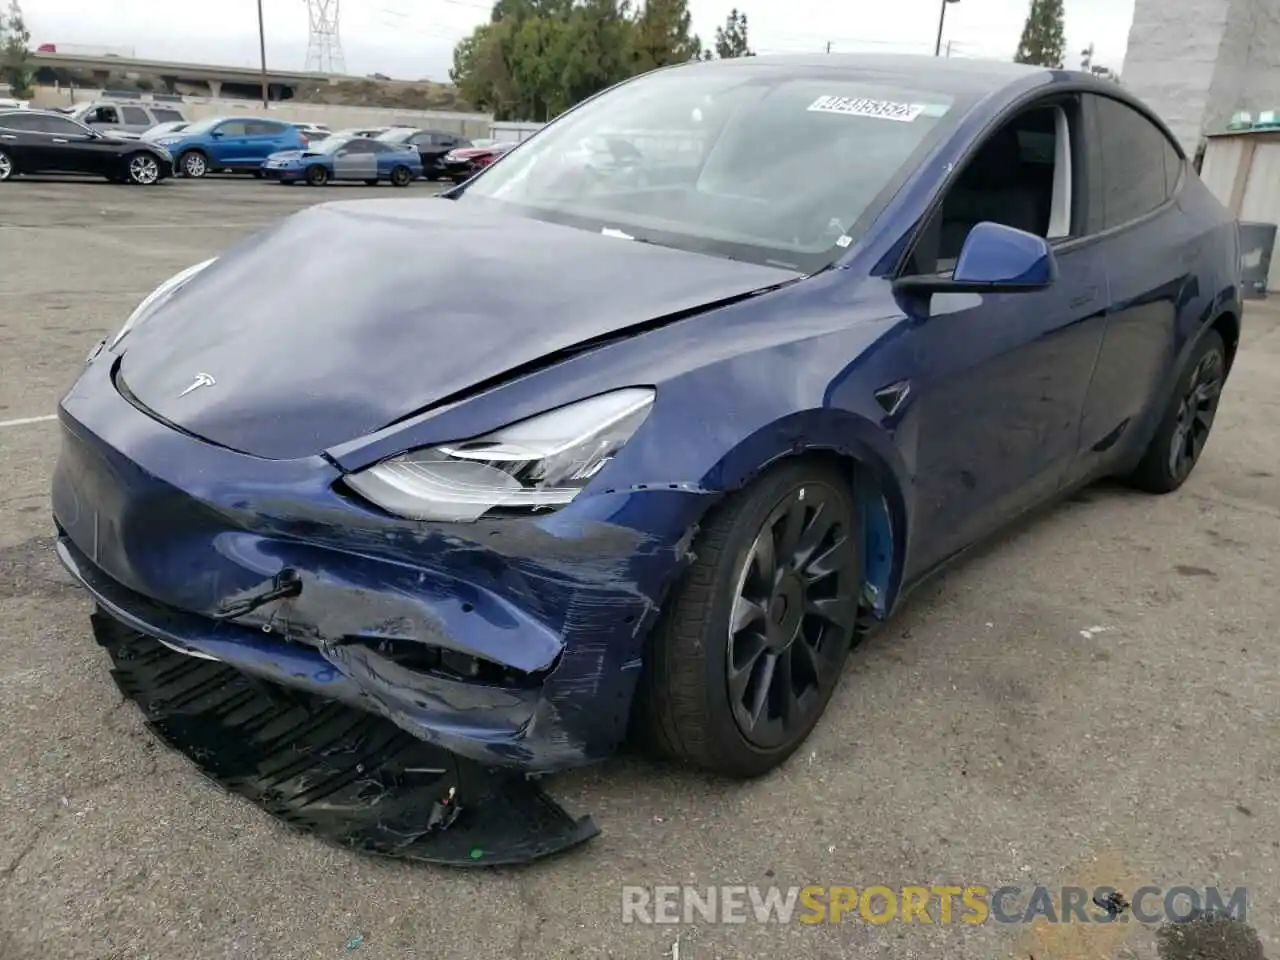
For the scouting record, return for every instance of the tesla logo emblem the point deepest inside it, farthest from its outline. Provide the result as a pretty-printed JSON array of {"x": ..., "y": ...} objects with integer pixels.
[{"x": 201, "y": 380}]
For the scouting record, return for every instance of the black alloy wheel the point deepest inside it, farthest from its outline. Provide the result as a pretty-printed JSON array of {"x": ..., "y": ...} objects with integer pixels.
[
  {"x": 751, "y": 644},
  {"x": 1196, "y": 410},
  {"x": 1184, "y": 430},
  {"x": 791, "y": 623},
  {"x": 317, "y": 176},
  {"x": 401, "y": 177}
]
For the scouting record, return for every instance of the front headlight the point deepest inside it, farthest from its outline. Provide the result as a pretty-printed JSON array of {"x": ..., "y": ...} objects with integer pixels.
[
  {"x": 168, "y": 141},
  {"x": 157, "y": 296},
  {"x": 539, "y": 463}
]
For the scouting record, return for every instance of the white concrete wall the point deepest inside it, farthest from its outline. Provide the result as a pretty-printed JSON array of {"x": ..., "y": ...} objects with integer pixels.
[{"x": 1198, "y": 61}]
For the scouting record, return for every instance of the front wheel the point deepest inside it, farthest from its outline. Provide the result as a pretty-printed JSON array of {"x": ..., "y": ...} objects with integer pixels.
[
  {"x": 1184, "y": 429},
  {"x": 317, "y": 176},
  {"x": 194, "y": 164},
  {"x": 750, "y": 646},
  {"x": 7, "y": 167},
  {"x": 401, "y": 177},
  {"x": 144, "y": 169}
]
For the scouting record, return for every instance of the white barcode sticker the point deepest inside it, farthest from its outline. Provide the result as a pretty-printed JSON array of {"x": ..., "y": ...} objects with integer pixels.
[{"x": 864, "y": 107}]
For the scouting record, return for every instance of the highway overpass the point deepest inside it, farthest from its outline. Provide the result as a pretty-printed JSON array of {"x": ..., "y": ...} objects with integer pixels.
[{"x": 175, "y": 76}]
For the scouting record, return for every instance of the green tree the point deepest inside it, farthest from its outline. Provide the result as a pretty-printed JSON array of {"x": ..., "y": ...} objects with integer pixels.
[
  {"x": 535, "y": 59},
  {"x": 15, "y": 68},
  {"x": 1043, "y": 37},
  {"x": 731, "y": 39},
  {"x": 662, "y": 36}
]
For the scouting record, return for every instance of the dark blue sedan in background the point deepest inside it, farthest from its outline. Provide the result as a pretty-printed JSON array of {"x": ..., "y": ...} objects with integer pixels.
[
  {"x": 646, "y": 455},
  {"x": 345, "y": 158}
]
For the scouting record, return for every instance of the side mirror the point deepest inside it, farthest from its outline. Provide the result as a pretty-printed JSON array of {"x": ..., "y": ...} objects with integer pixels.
[
  {"x": 216, "y": 134},
  {"x": 994, "y": 259}
]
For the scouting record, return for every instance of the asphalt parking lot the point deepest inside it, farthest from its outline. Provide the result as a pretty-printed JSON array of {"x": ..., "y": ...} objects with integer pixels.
[{"x": 1091, "y": 700}]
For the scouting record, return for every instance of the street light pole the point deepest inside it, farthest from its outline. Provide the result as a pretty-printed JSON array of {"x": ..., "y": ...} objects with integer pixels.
[
  {"x": 262, "y": 51},
  {"x": 942, "y": 16}
]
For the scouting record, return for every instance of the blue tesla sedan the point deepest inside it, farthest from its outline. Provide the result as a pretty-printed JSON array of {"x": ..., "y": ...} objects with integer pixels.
[{"x": 646, "y": 453}]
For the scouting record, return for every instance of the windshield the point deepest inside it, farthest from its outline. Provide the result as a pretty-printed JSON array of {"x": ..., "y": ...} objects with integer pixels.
[
  {"x": 397, "y": 135},
  {"x": 762, "y": 163},
  {"x": 330, "y": 144}
]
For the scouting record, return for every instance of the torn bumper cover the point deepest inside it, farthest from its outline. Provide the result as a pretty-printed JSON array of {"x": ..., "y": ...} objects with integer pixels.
[
  {"x": 344, "y": 775},
  {"x": 512, "y": 642}
]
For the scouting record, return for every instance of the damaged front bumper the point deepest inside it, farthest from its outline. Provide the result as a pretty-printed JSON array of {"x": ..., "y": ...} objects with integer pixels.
[{"x": 513, "y": 642}]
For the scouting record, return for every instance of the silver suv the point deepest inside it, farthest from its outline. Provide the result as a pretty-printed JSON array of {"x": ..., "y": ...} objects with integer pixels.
[{"x": 132, "y": 117}]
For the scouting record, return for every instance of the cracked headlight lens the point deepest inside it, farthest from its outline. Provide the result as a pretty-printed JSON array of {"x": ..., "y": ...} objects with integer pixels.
[{"x": 539, "y": 463}]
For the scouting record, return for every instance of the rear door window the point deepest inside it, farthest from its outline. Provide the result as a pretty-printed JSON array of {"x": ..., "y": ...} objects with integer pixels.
[
  {"x": 136, "y": 117},
  {"x": 1140, "y": 165},
  {"x": 264, "y": 128}
]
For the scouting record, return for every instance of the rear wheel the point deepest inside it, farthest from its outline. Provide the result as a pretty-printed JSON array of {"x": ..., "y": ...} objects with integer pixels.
[
  {"x": 144, "y": 169},
  {"x": 317, "y": 176},
  {"x": 401, "y": 177},
  {"x": 7, "y": 167},
  {"x": 750, "y": 646},
  {"x": 194, "y": 164},
  {"x": 1175, "y": 449}
]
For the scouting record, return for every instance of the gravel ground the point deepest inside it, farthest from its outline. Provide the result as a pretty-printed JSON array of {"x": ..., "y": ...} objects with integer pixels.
[{"x": 1090, "y": 700}]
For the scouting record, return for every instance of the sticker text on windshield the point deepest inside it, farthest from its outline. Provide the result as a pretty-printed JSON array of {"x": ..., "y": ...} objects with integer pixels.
[{"x": 863, "y": 107}]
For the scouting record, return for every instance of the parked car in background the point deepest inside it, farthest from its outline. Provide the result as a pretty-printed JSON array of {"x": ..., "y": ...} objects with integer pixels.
[
  {"x": 164, "y": 130},
  {"x": 432, "y": 145},
  {"x": 371, "y": 132},
  {"x": 239, "y": 144},
  {"x": 345, "y": 159},
  {"x": 126, "y": 117},
  {"x": 466, "y": 162},
  {"x": 42, "y": 141},
  {"x": 313, "y": 132}
]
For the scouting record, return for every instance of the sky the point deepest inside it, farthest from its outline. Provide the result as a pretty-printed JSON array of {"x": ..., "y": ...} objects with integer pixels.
[{"x": 414, "y": 39}]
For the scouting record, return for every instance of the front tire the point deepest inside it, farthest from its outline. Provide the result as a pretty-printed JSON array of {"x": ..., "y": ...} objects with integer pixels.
[
  {"x": 401, "y": 177},
  {"x": 194, "y": 164},
  {"x": 1184, "y": 429},
  {"x": 317, "y": 176},
  {"x": 144, "y": 169},
  {"x": 750, "y": 646},
  {"x": 8, "y": 169}
]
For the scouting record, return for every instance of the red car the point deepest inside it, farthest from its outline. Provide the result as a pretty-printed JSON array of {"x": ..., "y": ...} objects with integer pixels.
[{"x": 466, "y": 162}]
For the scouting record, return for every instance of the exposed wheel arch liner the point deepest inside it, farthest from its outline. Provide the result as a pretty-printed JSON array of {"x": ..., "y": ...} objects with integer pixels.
[{"x": 874, "y": 468}]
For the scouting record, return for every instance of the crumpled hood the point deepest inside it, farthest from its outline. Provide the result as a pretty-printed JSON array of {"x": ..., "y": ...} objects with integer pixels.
[{"x": 347, "y": 316}]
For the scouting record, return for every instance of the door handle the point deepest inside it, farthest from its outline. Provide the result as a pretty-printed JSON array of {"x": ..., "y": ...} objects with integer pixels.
[{"x": 59, "y": 139}]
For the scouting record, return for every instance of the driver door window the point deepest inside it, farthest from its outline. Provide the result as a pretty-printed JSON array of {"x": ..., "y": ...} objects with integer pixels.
[{"x": 1021, "y": 177}]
